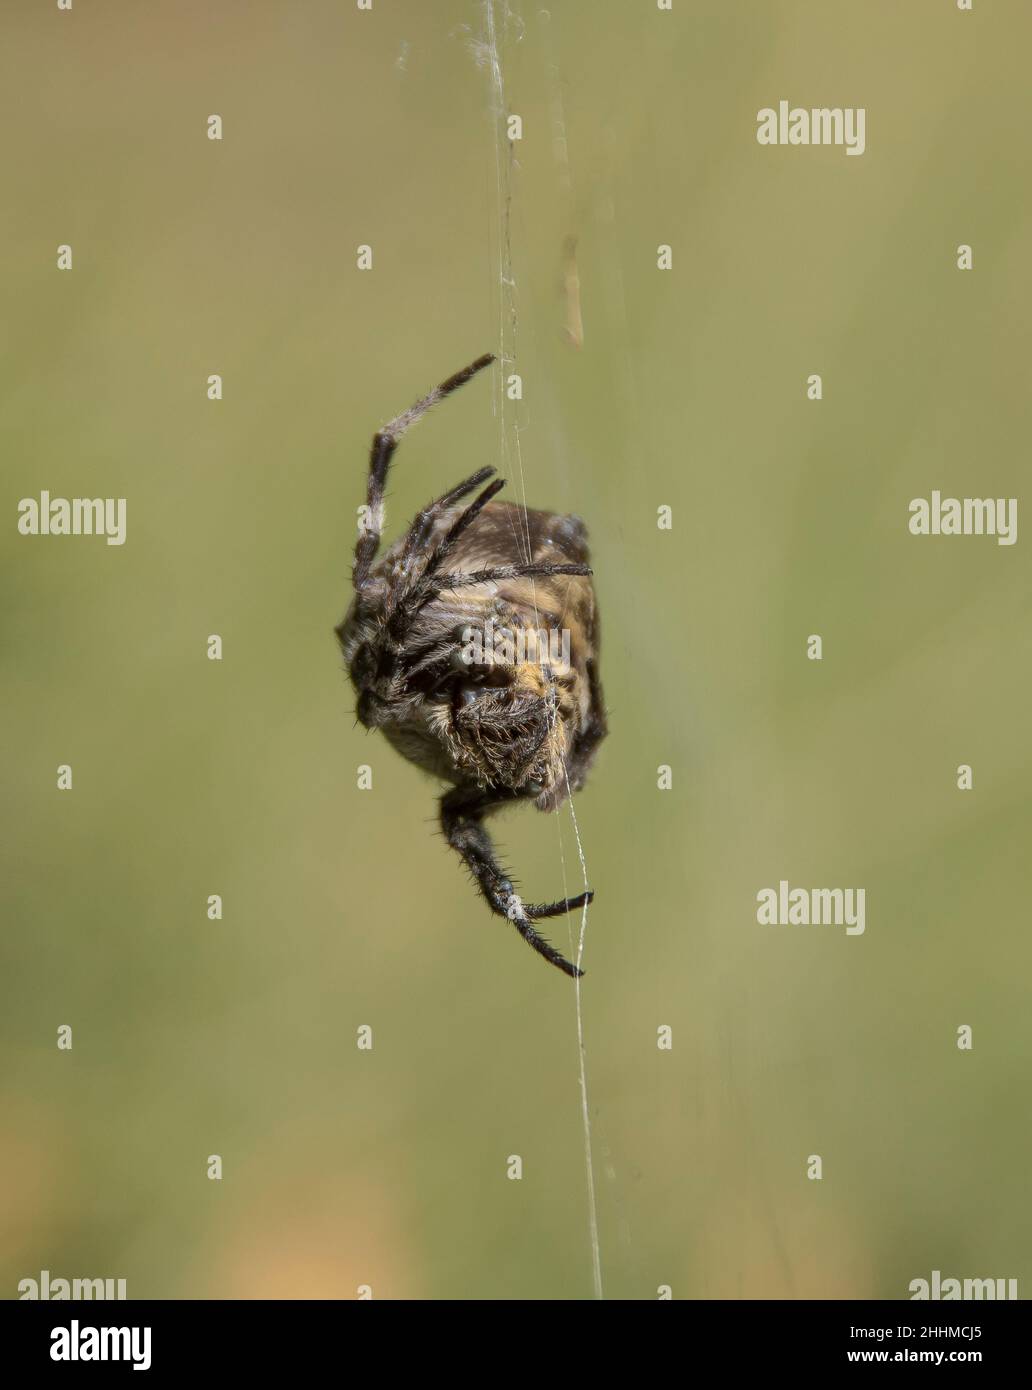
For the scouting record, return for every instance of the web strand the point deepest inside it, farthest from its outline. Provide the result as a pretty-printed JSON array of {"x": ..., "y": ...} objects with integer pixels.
[{"x": 507, "y": 344}]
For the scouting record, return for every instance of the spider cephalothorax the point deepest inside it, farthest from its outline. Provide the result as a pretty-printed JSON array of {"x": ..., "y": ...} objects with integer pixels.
[{"x": 473, "y": 645}]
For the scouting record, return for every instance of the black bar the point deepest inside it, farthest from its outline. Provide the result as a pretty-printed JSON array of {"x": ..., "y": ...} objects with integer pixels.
[{"x": 462, "y": 1339}]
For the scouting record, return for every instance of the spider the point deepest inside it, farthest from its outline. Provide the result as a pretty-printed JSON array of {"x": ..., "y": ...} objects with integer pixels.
[{"x": 472, "y": 643}]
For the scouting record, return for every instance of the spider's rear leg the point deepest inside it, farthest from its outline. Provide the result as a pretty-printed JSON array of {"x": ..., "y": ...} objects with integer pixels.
[{"x": 462, "y": 816}]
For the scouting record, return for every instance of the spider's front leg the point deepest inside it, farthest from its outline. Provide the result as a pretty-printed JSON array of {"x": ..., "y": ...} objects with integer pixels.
[{"x": 462, "y": 816}]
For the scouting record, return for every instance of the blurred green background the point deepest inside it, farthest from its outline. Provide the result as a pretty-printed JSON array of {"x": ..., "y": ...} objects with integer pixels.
[{"x": 344, "y": 908}]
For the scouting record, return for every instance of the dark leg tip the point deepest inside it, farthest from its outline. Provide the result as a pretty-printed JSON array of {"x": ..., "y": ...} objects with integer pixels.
[{"x": 537, "y": 911}]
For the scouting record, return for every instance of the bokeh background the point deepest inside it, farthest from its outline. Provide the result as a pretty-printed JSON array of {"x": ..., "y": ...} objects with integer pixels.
[{"x": 343, "y": 907}]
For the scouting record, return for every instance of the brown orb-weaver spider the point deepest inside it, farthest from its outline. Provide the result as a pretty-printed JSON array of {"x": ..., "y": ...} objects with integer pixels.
[{"x": 516, "y": 715}]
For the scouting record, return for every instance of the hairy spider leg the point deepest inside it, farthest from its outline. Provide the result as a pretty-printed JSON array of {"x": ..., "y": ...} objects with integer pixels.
[
  {"x": 416, "y": 592},
  {"x": 460, "y": 581},
  {"x": 462, "y": 815},
  {"x": 385, "y": 442},
  {"x": 423, "y": 521}
]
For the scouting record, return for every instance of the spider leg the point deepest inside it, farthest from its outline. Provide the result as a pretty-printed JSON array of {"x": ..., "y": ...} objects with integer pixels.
[
  {"x": 423, "y": 521},
  {"x": 460, "y": 581},
  {"x": 419, "y": 590},
  {"x": 462, "y": 815},
  {"x": 385, "y": 442},
  {"x": 536, "y": 911},
  {"x": 462, "y": 522}
]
